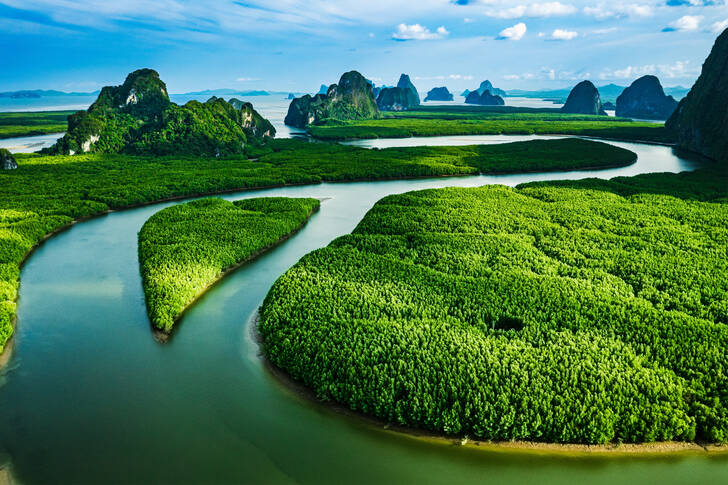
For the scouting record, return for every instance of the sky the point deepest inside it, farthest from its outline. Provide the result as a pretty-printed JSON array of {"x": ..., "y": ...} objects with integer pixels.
[{"x": 287, "y": 45}]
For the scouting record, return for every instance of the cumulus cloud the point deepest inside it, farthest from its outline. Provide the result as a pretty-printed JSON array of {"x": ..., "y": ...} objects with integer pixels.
[
  {"x": 677, "y": 70},
  {"x": 548, "y": 9},
  {"x": 515, "y": 32},
  {"x": 605, "y": 11},
  {"x": 418, "y": 32},
  {"x": 685, "y": 23},
  {"x": 561, "y": 34},
  {"x": 719, "y": 27}
]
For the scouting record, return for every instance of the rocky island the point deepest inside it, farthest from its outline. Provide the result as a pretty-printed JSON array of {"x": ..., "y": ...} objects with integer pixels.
[
  {"x": 700, "y": 121},
  {"x": 396, "y": 99},
  {"x": 645, "y": 99},
  {"x": 351, "y": 99},
  {"x": 584, "y": 99},
  {"x": 486, "y": 86},
  {"x": 405, "y": 83},
  {"x": 138, "y": 118},
  {"x": 484, "y": 99},
  {"x": 439, "y": 94}
]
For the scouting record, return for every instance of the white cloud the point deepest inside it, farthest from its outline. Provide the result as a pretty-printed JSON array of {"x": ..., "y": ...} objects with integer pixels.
[
  {"x": 719, "y": 27},
  {"x": 247, "y": 79},
  {"x": 560, "y": 34},
  {"x": 677, "y": 70},
  {"x": 442, "y": 77},
  {"x": 605, "y": 11},
  {"x": 515, "y": 32},
  {"x": 685, "y": 23},
  {"x": 548, "y": 9},
  {"x": 468, "y": 20},
  {"x": 418, "y": 32}
]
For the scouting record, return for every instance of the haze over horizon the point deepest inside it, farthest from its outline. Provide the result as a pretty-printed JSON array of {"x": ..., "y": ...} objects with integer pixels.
[{"x": 290, "y": 45}]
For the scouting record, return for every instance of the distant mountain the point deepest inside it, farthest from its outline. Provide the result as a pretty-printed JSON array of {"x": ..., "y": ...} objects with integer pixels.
[
  {"x": 41, "y": 93},
  {"x": 608, "y": 92},
  {"x": 229, "y": 92}
]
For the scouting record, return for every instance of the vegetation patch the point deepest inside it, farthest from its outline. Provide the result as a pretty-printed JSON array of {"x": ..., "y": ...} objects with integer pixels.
[
  {"x": 33, "y": 123},
  {"x": 47, "y": 193},
  {"x": 573, "y": 312},
  {"x": 486, "y": 122},
  {"x": 185, "y": 248}
]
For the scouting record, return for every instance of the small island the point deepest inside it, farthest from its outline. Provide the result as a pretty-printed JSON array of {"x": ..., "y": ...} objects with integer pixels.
[
  {"x": 185, "y": 248},
  {"x": 439, "y": 94}
]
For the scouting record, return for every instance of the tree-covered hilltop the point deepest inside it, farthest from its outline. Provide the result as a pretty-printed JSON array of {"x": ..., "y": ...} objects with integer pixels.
[
  {"x": 700, "y": 121},
  {"x": 185, "y": 248},
  {"x": 585, "y": 311},
  {"x": 138, "y": 118},
  {"x": 351, "y": 99}
]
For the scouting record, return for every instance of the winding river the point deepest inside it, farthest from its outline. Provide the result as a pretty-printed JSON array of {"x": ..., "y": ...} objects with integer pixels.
[{"x": 90, "y": 397}]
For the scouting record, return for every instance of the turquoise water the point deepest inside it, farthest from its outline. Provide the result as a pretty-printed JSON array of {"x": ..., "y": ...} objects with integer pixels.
[{"x": 89, "y": 396}]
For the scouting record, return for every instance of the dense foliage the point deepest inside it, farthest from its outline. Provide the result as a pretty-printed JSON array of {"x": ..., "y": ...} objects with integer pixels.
[
  {"x": 138, "y": 118},
  {"x": 586, "y": 311},
  {"x": 351, "y": 99},
  {"x": 185, "y": 248},
  {"x": 32, "y": 123},
  {"x": 48, "y": 192},
  {"x": 457, "y": 123}
]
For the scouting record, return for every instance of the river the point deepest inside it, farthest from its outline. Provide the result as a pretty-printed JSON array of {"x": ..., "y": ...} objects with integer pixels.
[{"x": 90, "y": 397}]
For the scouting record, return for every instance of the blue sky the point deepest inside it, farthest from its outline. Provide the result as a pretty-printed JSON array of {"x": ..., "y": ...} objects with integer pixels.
[{"x": 81, "y": 45}]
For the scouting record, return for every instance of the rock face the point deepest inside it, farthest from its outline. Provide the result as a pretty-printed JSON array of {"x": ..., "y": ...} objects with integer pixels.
[
  {"x": 251, "y": 121},
  {"x": 138, "y": 117},
  {"x": 485, "y": 99},
  {"x": 584, "y": 99},
  {"x": 323, "y": 89},
  {"x": 439, "y": 94},
  {"x": 396, "y": 99},
  {"x": 646, "y": 99},
  {"x": 350, "y": 99},
  {"x": 700, "y": 121},
  {"x": 465, "y": 93},
  {"x": 405, "y": 83},
  {"x": 487, "y": 86},
  {"x": 7, "y": 162}
]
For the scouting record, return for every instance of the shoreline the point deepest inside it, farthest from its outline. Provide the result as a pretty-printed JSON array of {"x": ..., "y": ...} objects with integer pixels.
[
  {"x": 163, "y": 336},
  {"x": 567, "y": 450},
  {"x": 563, "y": 135}
]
